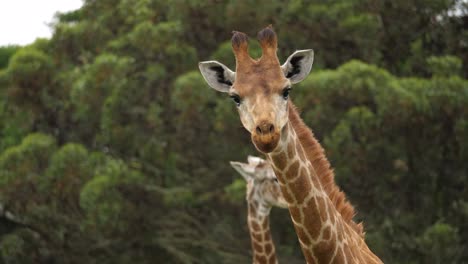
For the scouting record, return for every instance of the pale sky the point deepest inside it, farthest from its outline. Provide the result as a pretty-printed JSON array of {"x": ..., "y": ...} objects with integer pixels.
[{"x": 22, "y": 21}]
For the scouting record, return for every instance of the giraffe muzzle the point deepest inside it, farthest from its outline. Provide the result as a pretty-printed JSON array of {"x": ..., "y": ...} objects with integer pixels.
[{"x": 265, "y": 137}]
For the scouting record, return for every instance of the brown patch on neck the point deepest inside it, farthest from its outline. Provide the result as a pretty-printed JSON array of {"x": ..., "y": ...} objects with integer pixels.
[{"x": 316, "y": 155}]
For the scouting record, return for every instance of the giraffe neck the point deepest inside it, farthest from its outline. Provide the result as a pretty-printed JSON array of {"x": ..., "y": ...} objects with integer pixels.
[
  {"x": 263, "y": 248},
  {"x": 324, "y": 235}
]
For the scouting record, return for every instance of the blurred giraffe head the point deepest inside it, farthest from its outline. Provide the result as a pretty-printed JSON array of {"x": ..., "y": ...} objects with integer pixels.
[
  {"x": 263, "y": 188},
  {"x": 260, "y": 88}
]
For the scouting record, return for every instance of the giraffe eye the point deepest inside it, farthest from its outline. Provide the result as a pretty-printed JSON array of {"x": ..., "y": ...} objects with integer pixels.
[
  {"x": 286, "y": 93},
  {"x": 276, "y": 180},
  {"x": 236, "y": 99}
]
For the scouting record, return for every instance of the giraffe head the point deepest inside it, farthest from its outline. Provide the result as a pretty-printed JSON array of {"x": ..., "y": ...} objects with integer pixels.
[
  {"x": 260, "y": 88},
  {"x": 263, "y": 188}
]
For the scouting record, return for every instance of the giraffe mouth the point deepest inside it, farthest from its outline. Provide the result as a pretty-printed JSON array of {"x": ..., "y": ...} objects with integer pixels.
[{"x": 266, "y": 143}]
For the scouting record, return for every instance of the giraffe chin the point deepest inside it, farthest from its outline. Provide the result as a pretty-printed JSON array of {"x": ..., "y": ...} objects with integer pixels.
[{"x": 266, "y": 143}]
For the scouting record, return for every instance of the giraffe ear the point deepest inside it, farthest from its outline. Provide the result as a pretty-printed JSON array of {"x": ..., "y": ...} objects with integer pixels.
[
  {"x": 298, "y": 65},
  {"x": 244, "y": 169},
  {"x": 217, "y": 75}
]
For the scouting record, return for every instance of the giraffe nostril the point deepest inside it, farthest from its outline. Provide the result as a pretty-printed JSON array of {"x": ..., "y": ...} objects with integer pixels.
[
  {"x": 259, "y": 130},
  {"x": 265, "y": 128},
  {"x": 271, "y": 128}
]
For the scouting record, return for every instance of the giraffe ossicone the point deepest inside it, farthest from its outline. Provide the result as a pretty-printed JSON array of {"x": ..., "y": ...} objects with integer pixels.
[
  {"x": 262, "y": 193},
  {"x": 321, "y": 215}
]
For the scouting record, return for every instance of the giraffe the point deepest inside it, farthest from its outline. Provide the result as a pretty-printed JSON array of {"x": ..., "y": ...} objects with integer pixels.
[
  {"x": 263, "y": 192},
  {"x": 321, "y": 215}
]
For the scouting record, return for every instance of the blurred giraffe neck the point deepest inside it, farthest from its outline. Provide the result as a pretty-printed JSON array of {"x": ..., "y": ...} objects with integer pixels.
[{"x": 263, "y": 247}]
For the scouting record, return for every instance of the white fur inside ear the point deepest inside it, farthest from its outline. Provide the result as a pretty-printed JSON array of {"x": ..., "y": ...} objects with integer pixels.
[
  {"x": 217, "y": 75},
  {"x": 298, "y": 65}
]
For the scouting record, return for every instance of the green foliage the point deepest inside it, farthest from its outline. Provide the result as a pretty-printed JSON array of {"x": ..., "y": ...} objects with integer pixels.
[
  {"x": 36, "y": 100},
  {"x": 444, "y": 66},
  {"x": 341, "y": 31},
  {"x": 77, "y": 43},
  {"x": 178, "y": 196},
  {"x": 440, "y": 244},
  {"x": 68, "y": 17},
  {"x": 14, "y": 127},
  {"x": 66, "y": 174},
  {"x": 26, "y": 160},
  {"x": 12, "y": 248},
  {"x": 29, "y": 71},
  {"x": 431, "y": 32},
  {"x": 100, "y": 197},
  {"x": 6, "y": 52},
  {"x": 199, "y": 111},
  {"x": 92, "y": 85},
  {"x": 235, "y": 192}
]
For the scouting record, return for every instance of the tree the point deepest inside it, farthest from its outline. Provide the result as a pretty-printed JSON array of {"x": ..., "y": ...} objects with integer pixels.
[{"x": 6, "y": 52}]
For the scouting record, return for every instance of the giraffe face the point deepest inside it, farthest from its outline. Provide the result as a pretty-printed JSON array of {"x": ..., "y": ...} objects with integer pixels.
[
  {"x": 260, "y": 88},
  {"x": 263, "y": 189},
  {"x": 262, "y": 103}
]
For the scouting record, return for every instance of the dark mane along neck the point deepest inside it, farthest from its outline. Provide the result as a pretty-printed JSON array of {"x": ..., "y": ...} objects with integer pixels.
[{"x": 315, "y": 154}]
